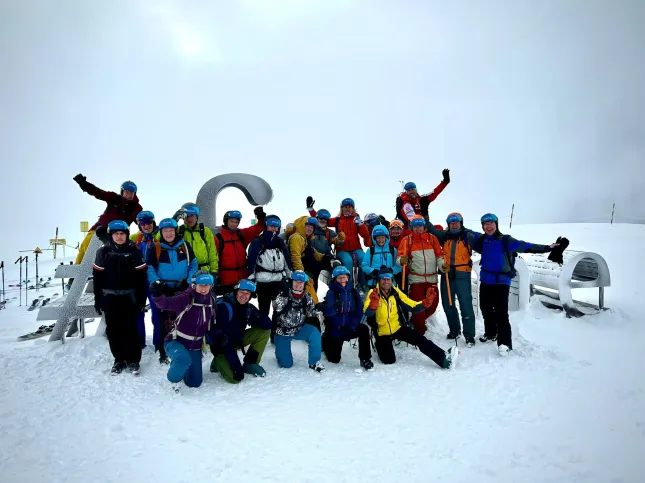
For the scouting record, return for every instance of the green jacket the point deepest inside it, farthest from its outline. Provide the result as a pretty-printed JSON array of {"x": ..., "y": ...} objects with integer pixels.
[{"x": 205, "y": 252}]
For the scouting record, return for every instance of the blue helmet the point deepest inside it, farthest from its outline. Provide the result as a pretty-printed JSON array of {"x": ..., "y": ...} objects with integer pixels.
[
  {"x": 489, "y": 217},
  {"x": 409, "y": 186},
  {"x": 191, "y": 210},
  {"x": 273, "y": 220},
  {"x": 323, "y": 214},
  {"x": 232, "y": 214},
  {"x": 168, "y": 223},
  {"x": 371, "y": 219},
  {"x": 339, "y": 270},
  {"x": 311, "y": 221},
  {"x": 455, "y": 218},
  {"x": 203, "y": 278},
  {"x": 118, "y": 225},
  {"x": 246, "y": 284},
  {"x": 299, "y": 276},
  {"x": 145, "y": 217},
  {"x": 128, "y": 185},
  {"x": 348, "y": 202},
  {"x": 380, "y": 230},
  {"x": 417, "y": 221}
]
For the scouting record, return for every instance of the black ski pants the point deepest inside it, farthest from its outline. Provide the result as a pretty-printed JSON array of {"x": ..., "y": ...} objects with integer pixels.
[
  {"x": 266, "y": 292},
  {"x": 333, "y": 346},
  {"x": 121, "y": 328},
  {"x": 493, "y": 302},
  {"x": 385, "y": 349}
]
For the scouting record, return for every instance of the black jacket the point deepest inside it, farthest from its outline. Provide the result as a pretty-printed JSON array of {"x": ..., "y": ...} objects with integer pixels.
[{"x": 120, "y": 268}]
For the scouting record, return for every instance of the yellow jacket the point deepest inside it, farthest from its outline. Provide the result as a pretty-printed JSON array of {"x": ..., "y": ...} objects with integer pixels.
[
  {"x": 387, "y": 313},
  {"x": 297, "y": 245}
]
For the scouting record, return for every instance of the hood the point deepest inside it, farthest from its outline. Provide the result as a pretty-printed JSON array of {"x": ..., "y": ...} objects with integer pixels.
[{"x": 383, "y": 232}]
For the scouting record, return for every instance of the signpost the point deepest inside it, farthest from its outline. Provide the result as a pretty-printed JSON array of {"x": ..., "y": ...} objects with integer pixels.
[{"x": 85, "y": 227}]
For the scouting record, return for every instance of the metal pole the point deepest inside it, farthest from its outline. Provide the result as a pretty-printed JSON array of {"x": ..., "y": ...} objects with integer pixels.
[
  {"x": 37, "y": 280},
  {"x": 612, "y": 214},
  {"x": 4, "y": 296},
  {"x": 512, "y": 211},
  {"x": 55, "y": 243},
  {"x": 63, "y": 281},
  {"x": 19, "y": 282},
  {"x": 26, "y": 278}
]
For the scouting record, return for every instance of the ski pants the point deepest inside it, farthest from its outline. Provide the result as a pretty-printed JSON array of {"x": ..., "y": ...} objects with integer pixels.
[
  {"x": 417, "y": 292},
  {"x": 141, "y": 320},
  {"x": 385, "y": 349},
  {"x": 266, "y": 292},
  {"x": 121, "y": 327},
  {"x": 185, "y": 365},
  {"x": 460, "y": 289},
  {"x": 257, "y": 339},
  {"x": 333, "y": 346},
  {"x": 347, "y": 261},
  {"x": 83, "y": 247},
  {"x": 493, "y": 302},
  {"x": 283, "y": 345}
]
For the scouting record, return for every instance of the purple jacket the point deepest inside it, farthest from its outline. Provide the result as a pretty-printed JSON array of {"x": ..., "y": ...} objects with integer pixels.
[{"x": 192, "y": 325}]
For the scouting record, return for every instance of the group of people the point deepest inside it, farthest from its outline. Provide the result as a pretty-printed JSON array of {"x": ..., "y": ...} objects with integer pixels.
[{"x": 199, "y": 285}]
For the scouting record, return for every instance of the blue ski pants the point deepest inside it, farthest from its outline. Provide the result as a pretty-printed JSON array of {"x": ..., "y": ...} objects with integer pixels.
[
  {"x": 283, "y": 345},
  {"x": 346, "y": 259},
  {"x": 185, "y": 364}
]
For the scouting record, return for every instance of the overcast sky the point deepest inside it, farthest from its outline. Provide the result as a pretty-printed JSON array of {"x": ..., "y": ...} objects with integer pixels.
[{"x": 541, "y": 104}]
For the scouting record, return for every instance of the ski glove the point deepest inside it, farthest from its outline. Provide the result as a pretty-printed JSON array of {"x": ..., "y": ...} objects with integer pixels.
[
  {"x": 403, "y": 260},
  {"x": 430, "y": 298},
  {"x": 310, "y": 203},
  {"x": 556, "y": 254},
  {"x": 220, "y": 342},
  {"x": 260, "y": 215},
  {"x": 238, "y": 375},
  {"x": 320, "y": 306},
  {"x": 374, "y": 298},
  {"x": 446, "y": 176},
  {"x": 358, "y": 221},
  {"x": 180, "y": 214},
  {"x": 156, "y": 288},
  {"x": 101, "y": 233},
  {"x": 80, "y": 179}
]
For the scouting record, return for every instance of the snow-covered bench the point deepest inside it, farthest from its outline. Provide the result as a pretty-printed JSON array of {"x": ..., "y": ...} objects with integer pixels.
[{"x": 579, "y": 270}]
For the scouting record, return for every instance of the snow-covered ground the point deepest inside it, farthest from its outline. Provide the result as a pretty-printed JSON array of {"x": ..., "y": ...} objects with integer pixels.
[{"x": 568, "y": 405}]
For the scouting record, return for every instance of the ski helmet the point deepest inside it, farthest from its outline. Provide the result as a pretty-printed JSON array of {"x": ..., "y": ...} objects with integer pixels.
[
  {"x": 145, "y": 217},
  {"x": 323, "y": 214},
  {"x": 409, "y": 186},
  {"x": 232, "y": 214},
  {"x": 273, "y": 220},
  {"x": 455, "y": 218},
  {"x": 398, "y": 223},
  {"x": 299, "y": 276},
  {"x": 248, "y": 285},
  {"x": 380, "y": 230},
  {"x": 203, "y": 278},
  {"x": 371, "y": 219},
  {"x": 348, "y": 202},
  {"x": 191, "y": 210},
  {"x": 339, "y": 270},
  {"x": 129, "y": 186},
  {"x": 489, "y": 217},
  {"x": 417, "y": 220},
  {"x": 311, "y": 221},
  {"x": 118, "y": 225},
  {"x": 168, "y": 223}
]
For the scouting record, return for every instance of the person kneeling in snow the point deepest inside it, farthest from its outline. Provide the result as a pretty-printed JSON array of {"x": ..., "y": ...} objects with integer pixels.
[
  {"x": 183, "y": 344},
  {"x": 383, "y": 307},
  {"x": 343, "y": 310},
  {"x": 294, "y": 313},
  {"x": 234, "y": 313}
]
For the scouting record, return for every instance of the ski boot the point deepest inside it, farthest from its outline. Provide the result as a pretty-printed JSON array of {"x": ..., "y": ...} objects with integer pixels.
[
  {"x": 453, "y": 335},
  {"x": 255, "y": 369},
  {"x": 367, "y": 364},
  {"x": 503, "y": 350},
  {"x": 486, "y": 338},
  {"x": 117, "y": 368},
  {"x": 134, "y": 368},
  {"x": 470, "y": 341},
  {"x": 318, "y": 367},
  {"x": 451, "y": 357}
]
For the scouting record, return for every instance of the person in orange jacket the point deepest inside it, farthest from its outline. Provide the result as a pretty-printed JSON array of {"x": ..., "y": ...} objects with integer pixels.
[
  {"x": 349, "y": 223},
  {"x": 421, "y": 256},
  {"x": 231, "y": 243}
]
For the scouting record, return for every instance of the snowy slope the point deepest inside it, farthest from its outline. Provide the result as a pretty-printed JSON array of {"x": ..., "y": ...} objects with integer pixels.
[{"x": 565, "y": 406}]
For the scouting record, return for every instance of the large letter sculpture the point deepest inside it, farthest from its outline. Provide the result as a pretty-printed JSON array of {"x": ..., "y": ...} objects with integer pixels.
[{"x": 257, "y": 192}]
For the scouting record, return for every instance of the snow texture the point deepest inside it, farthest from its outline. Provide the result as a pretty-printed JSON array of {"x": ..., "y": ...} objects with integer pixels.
[{"x": 567, "y": 405}]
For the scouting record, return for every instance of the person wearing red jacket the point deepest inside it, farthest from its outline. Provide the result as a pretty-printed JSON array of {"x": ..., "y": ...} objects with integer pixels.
[
  {"x": 231, "y": 243},
  {"x": 398, "y": 233},
  {"x": 409, "y": 203},
  {"x": 349, "y": 223}
]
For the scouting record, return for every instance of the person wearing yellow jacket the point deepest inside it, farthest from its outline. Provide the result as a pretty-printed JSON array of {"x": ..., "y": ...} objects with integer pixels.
[
  {"x": 201, "y": 238},
  {"x": 383, "y": 306},
  {"x": 303, "y": 254}
]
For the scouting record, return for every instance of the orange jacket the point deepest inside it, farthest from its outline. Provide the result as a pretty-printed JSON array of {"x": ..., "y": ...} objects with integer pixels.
[{"x": 425, "y": 257}]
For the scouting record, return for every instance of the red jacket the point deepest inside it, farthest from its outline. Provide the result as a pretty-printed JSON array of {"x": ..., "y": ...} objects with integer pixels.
[
  {"x": 395, "y": 242},
  {"x": 118, "y": 208},
  {"x": 232, "y": 256},
  {"x": 346, "y": 225},
  {"x": 416, "y": 203}
]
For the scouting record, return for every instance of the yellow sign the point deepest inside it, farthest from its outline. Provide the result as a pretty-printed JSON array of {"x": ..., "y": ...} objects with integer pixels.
[
  {"x": 38, "y": 250},
  {"x": 84, "y": 226},
  {"x": 57, "y": 241}
]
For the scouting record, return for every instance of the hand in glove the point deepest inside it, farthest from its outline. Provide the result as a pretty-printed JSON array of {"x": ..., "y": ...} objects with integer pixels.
[
  {"x": 220, "y": 342},
  {"x": 251, "y": 277},
  {"x": 238, "y": 375},
  {"x": 340, "y": 238},
  {"x": 156, "y": 288},
  {"x": 403, "y": 260},
  {"x": 320, "y": 306},
  {"x": 260, "y": 215},
  {"x": 558, "y": 248},
  {"x": 430, "y": 298},
  {"x": 446, "y": 176},
  {"x": 310, "y": 203},
  {"x": 374, "y": 298},
  {"x": 101, "y": 233},
  {"x": 358, "y": 221},
  {"x": 97, "y": 307},
  {"x": 180, "y": 214},
  {"x": 80, "y": 179}
]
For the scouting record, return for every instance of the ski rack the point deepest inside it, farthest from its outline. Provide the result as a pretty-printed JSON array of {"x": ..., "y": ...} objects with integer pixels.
[{"x": 79, "y": 302}]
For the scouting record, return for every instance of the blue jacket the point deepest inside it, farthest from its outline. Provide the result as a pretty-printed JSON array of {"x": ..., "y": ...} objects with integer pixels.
[
  {"x": 495, "y": 263},
  {"x": 344, "y": 322},
  {"x": 231, "y": 319},
  {"x": 144, "y": 241},
  {"x": 382, "y": 256},
  {"x": 268, "y": 259},
  {"x": 174, "y": 266}
]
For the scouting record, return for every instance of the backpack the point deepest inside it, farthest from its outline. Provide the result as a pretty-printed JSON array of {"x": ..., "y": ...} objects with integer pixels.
[
  {"x": 464, "y": 239},
  {"x": 220, "y": 238},
  {"x": 510, "y": 256},
  {"x": 373, "y": 251},
  {"x": 424, "y": 203},
  {"x": 158, "y": 251},
  {"x": 182, "y": 230}
]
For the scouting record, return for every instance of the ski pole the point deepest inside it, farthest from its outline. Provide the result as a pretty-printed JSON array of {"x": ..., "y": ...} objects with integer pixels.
[
  {"x": 26, "y": 278},
  {"x": 19, "y": 282},
  {"x": 448, "y": 289},
  {"x": 4, "y": 296}
]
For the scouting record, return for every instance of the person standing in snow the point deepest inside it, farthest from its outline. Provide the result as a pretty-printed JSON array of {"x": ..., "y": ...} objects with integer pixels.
[
  {"x": 234, "y": 314},
  {"x": 173, "y": 263},
  {"x": 120, "y": 292},
  {"x": 146, "y": 238},
  {"x": 349, "y": 223},
  {"x": 497, "y": 271},
  {"x": 304, "y": 256},
  {"x": 409, "y": 203},
  {"x": 183, "y": 343},
  {"x": 379, "y": 254},
  {"x": 231, "y": 243},
  {"x": 456, "y": 277},
  {"x": 200, "y": 238},
  {"x": 420, "y": 253},
  {"x": 293, "y": 314},
  {"x": 269, "y": 263},
  {"x": 343, "y": 311},
  {"x": 383, "y": 308},
  {"x": 124, "y": 206}
]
